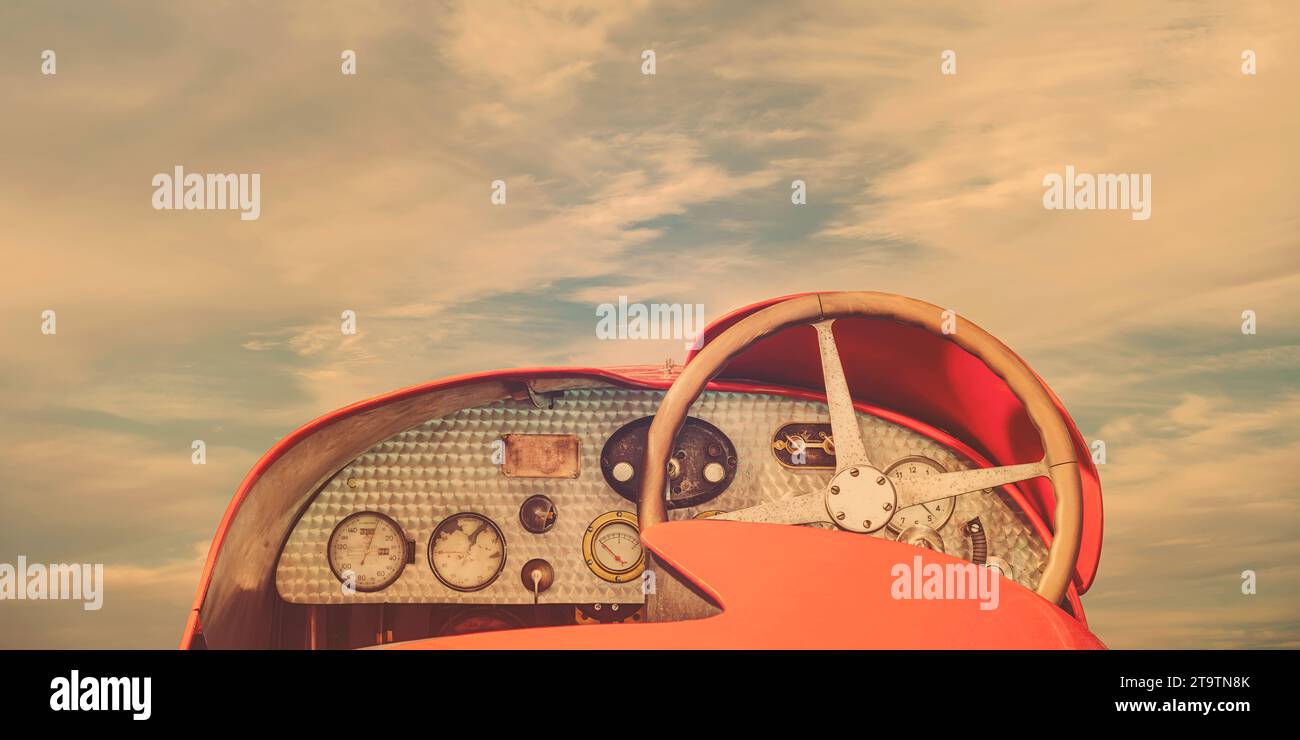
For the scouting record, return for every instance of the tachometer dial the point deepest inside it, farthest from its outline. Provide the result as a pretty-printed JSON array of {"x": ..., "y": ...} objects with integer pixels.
[
  {"x": 933, "y": 514},
  {"x": 367, "y": 550},
  {"x": 467, "y": 552},
  {"x": 612, "y": 547}
]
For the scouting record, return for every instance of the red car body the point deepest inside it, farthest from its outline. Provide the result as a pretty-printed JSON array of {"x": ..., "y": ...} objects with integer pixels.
[{"x": 812, "y": 588}]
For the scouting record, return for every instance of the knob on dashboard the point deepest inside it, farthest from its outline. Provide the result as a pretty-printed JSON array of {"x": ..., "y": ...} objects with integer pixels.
[
  {"x": 623, "y": 472},
  {"x": 537, "y": 575},
  {"x": 920, "y": 535}
]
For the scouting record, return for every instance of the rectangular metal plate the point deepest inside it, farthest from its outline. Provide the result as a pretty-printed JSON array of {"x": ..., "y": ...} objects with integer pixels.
[{"x": 541, "y": 456}]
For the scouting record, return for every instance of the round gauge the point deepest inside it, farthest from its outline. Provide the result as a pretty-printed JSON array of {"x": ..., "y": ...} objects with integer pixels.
[
  {"x": 467, "y": 552},
  {"x": 933, "y": 514},
  {"x": 537, "y": 514},
  {"x": 612, "y": 547},
  {"x": 367, "y": 550}
]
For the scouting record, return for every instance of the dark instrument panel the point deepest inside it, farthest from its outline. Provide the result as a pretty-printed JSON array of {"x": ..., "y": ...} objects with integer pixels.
[{"x": 702, "y": 465}]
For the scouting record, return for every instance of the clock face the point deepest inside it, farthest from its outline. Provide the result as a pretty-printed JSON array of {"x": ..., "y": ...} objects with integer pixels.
[{"x": 933, "y": 514}]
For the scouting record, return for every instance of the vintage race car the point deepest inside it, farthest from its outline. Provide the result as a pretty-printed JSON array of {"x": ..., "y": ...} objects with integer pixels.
[{"x": 828, "y": 470}]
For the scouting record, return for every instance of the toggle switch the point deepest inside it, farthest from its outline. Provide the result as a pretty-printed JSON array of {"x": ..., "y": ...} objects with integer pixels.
[{"x": 537, "y": 575}]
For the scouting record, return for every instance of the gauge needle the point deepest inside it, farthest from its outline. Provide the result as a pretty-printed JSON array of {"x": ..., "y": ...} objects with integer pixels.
[
  {"x": 611, "y": 552},
  {"x": 367, "y": 552},
  {"x": 473, "y": 536}
]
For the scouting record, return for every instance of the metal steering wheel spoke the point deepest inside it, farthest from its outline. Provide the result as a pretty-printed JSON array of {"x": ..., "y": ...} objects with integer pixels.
[
  {"x": 860, "y": 497},
  {"x": 805, "y": 509},
  {"x": 915, "y": 491},
  {"x": 850, "y": 450}
]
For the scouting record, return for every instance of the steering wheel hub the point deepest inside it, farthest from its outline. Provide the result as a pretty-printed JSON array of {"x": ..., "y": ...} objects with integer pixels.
[{"x": 860, "y": 499}]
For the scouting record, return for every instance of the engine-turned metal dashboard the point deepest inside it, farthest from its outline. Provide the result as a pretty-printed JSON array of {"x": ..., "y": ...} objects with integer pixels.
[{"x": 447, "y": 489}]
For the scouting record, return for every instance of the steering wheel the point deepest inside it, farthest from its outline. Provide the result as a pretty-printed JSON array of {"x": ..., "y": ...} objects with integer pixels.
[{"x": 860, "y": 497}]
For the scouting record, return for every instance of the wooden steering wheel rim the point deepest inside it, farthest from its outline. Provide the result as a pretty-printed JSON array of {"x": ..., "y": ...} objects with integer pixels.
[{"x": 1058, "y": 445}]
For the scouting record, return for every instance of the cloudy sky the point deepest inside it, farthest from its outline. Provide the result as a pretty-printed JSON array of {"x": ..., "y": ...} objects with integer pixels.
[{"x": 175, "y": 326}]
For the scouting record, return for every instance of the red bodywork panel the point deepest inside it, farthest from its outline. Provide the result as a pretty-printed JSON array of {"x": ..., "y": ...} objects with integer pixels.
[
  {"x": 806, "y": 597},
  {"x": 786, "y": 587}
]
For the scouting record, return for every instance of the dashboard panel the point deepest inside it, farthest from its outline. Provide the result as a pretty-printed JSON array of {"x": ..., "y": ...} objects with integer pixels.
[{"x": 444, "y": 485}]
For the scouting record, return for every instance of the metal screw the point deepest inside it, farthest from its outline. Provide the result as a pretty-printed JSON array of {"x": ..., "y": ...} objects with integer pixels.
[
  {"x": 880, "y": 481},
  {"x": 840, "y": 516},
  {"x": 352, "y": 482},
  {"x": 889, "y": 506},
  {"x": 854, "y": 472},
  {"x": 835, "y": 490},
  {"x": 867, "y": 524}
]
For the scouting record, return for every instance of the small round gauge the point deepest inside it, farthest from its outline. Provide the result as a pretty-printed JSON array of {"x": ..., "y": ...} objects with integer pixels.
[
  {"x": 367, "y": 550},
  {"x": 933, "y": 514},
  {"x": 467, "y": 551},
  {"x": 612, "y": 547},
  {"x": 537, "y": 514}
]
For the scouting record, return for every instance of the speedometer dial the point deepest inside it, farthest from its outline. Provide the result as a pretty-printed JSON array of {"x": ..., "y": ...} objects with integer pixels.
[
  {"x": 367, "y": 551},
  {"x": 467, "y": 552}
]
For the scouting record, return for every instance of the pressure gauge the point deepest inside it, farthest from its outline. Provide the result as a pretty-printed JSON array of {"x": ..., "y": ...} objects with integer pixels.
[{"x": 612, "y": 547}]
